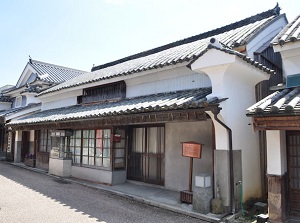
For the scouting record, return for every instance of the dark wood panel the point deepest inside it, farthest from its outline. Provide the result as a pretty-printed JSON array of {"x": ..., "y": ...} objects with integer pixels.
[
  {"x": 276, "y": 122},
  {"x": 42, "y": 160},
  {"x": 135, "y": 166},
  {"x": 104, "y": 92},
  {"x": 293, "y": 149}
]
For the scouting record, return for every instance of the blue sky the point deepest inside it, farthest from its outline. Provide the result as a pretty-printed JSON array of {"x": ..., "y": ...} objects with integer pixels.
[{"x": 80, "y": 33}]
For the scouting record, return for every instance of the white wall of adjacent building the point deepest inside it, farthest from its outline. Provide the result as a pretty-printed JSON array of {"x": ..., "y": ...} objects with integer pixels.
[
  {"x": 290, "y": 53},
  {"x": 266, "y": 35}
]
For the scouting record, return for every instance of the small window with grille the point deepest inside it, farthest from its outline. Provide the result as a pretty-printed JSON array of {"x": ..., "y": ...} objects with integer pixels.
[{"x": 113, "y": 91}]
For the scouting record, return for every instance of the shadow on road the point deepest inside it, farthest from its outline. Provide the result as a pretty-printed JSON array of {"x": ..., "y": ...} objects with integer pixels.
[{"x": 102, "y": 205}]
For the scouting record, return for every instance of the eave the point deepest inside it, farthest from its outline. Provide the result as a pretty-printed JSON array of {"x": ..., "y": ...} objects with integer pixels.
[
  {"x": 184, "y": 115},
  {"x": 281, "y": 122}
]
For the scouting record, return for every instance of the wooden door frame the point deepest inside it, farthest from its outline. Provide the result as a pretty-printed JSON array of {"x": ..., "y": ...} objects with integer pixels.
[
  {"x": 25, "y": 139},
  {"x": 288, "y": 203},
  {"x": 143, "y": 155}
]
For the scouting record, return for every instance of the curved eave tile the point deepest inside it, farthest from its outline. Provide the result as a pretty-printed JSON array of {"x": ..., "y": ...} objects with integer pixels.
[
  {"x": 188, "y": 99},
  {"x": 285, "y": 102}
]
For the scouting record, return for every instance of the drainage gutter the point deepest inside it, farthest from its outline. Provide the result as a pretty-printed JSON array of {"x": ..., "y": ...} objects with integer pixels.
[{"x": 231, "y": 176}]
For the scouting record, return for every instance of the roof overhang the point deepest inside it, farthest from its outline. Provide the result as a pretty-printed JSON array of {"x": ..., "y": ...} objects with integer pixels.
[
  {"x": 23, "y": 112},
  {"x": 185, "y": 115},
  {"x": 222, "y": 65},
  {"x": 185, "y": 105},
  {"x": 14, "y": 91},
  {"x": 289, "y": 46},
  {"x": 215, "y": 56},
  {"x": 28, "y": 70}
]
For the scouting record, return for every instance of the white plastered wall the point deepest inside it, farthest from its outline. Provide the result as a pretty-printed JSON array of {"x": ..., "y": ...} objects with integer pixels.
[
  {"x": 31, "y": 142},
  {"x": 180, "y": 78},
  {"x": 30, "y": 99},
  {"x": 290, "y": 54},
  {"x": 276, "y": 149},
  {"x": 18, "y": 140},
  {"x": 234, "y": 79},
  {"x": 5, "y": 105},
  {"x": 61, "y": 100}
]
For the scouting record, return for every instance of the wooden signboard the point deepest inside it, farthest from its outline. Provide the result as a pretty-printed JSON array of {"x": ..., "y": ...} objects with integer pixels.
[{"x": 191, "y": 149}]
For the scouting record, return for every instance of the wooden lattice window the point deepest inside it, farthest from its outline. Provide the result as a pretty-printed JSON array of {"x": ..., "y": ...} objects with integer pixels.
[{"x": 113, "y": 91}]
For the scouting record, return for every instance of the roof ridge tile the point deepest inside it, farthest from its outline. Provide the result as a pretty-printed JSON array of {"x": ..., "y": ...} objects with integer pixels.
[{"x": 217, "y": 31}]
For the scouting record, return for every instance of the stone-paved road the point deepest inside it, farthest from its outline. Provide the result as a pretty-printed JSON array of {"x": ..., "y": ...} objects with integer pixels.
[{"x": 29, "y": 197}]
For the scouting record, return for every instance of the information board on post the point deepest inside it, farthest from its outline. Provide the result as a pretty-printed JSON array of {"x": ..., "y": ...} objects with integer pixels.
[{"x": 191, "y": 149}]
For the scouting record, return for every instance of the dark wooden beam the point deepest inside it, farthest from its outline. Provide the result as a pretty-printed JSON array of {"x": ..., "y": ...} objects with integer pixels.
[{"x": 277, "y": 123}]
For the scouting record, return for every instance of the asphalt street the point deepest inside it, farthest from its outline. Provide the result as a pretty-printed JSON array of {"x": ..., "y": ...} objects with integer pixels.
[{"x": 29, "y": 197}]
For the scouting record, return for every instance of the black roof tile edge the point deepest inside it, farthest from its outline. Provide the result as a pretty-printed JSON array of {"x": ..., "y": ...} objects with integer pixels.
[
  {"x": 33, "y": 62},
  {"x": 5, "y": 99},
  {"x": 25, "y": 86},
  {"x": 236, "y": 53},
  {"x": 270, "y": 22},
  {"x": 275, "y": 98},
  {"x": 238, "y": 24}
]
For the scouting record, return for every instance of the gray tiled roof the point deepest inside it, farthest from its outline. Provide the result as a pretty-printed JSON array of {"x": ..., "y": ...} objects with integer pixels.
[
  {"x": 4, "y": 113},
  {"x": 186, "y": 50},
  {"x": 290, "y": 33},
  {"x": 195, "y": 98},
  {"x": 56, "y": 74},
  {"x": 286, "y": 101},
  {"x": 5, "y": 99},
  {"x": 14, "y": 110}
]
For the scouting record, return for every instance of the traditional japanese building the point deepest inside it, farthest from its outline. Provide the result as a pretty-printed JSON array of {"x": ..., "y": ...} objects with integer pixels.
[
  {"x": 20, "y": 100},
  {"x": 278, "y": 116},
  {"x": 127, "y": 119}
]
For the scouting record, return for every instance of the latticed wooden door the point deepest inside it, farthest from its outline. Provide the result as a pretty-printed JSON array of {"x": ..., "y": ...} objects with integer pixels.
[
  {"x": 146, "y": 155},
  {"x": 293, "y": 152}
]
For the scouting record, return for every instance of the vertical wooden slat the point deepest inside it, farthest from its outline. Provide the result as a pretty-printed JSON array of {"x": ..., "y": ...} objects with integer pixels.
[{"x": 293, "y": 152}]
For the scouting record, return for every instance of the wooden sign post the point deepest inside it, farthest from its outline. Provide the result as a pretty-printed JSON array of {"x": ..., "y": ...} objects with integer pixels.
[{"x": 191, "y": 150}]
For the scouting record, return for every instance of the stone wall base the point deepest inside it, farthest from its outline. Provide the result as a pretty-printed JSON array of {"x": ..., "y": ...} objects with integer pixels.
[{"x": 277, "y": 198}]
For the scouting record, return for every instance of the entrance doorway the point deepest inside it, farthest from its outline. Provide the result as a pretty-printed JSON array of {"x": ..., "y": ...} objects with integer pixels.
[
  {"x": 24, "y": 145},
  {"x": 293, "y": 152},
  {"x": 146, "y": 155}
]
